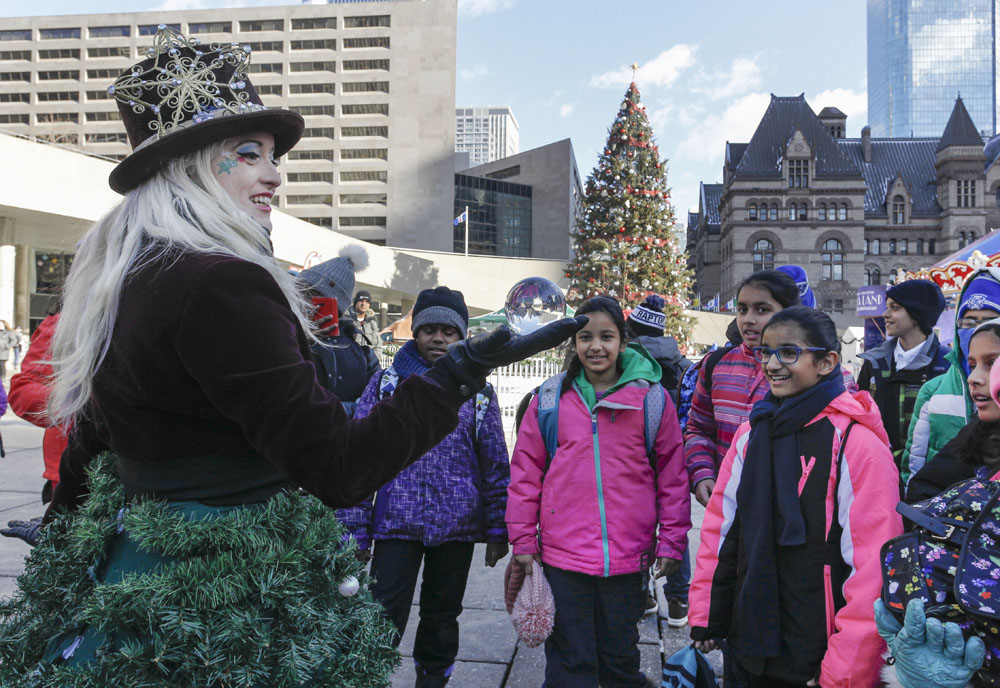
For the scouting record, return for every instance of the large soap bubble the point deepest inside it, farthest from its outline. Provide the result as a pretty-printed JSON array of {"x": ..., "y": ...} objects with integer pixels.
[{"x": 532, "y": 303}]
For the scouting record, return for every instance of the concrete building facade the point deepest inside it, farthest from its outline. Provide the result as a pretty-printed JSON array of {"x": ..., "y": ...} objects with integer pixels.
[
  {"x": 375, "y": 82},
  {"x": 486, "y": 133},
  {"x": 850, "y": 211}
]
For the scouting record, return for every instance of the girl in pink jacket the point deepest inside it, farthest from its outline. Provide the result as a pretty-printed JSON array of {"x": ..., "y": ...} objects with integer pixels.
[
  {"x": 789, "y": 568},
  {"x": 590, "y": 512}
]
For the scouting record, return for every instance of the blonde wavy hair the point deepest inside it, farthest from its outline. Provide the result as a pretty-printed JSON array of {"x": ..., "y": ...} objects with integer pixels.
[{"x": 181, "y": 207}]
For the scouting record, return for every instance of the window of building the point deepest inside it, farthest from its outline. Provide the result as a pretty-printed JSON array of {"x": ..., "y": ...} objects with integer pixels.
[
  {"x": 367, "y": 42},
  {"x": 904, "y": 246},
  {"x": 833, "y": 305},
  {"x": 821, "y": 212},
  {"x": 15, "y": 76},
  {"x": 798, "y": 174},
  {"x": 763, "y": 255},
  {"x": 315, "y": 44},
  {"x": 362, "y": 199},
  {"x": 961, "y": 239},
  {"x": 833, "y": 260},
  {"x": 931, "y": 246},
  {"x": 966, "y": 193},
  {"x": 920, "y": 247},
  {"x": 892, "y": 247},
  {"x": 898, "y": 210},
  {"x": 14, "y": 97},
  {"x": 151, "y": 29},
  {"x": 752, "y": 212},
  {"x": 362, "y": 221},
  {"x": 365, "y": 22},
  {"x": 876, "y": 247},
  {"x": 106, "y": 138},
  {"x": 13, "y": 119},
  {"x": 6, "y": 55},
  {"x": 368, "y": 131},
  {"x": 15, "y": 35},
  {"x": 328, "y": 66},
  {"x": 364, "y": 176},
  {"x": 49, "y": 96},
  {"x": 868, "y": 246},
  {"x": 773, "y": 212},
  {"x": 321, "y": 132},
  {"x": 310, "y": 155},
  {"x": 803, "y": 212},
  {"x": 262, "y": 25},
  {"x": 54, "y": 117},
  {"x": 307, "y": 23},
  {"x": 330, "y": 110},
  {"x": 364, "y": 153},
  {"x": 265, "y": 46},
  {"x": 96, "y": 95},
  {"x": 109, "y": 116},
  {"x": 311, "y": 199},
  {"x": 359, "y": 65},
  {"x": 103, "y": 73},
  {"x": 297, "y": 89},
  {"x": 793, "y": 211},
  {"x": 842, "y": 212},
  {"x": 366, "y": 86},
  {"x": 59, "y": 75},
  {"x": 119, "y": 51},
  {"x": 326, "y": 177},
  {"x": 365, "y": 109},
  {"x": 319, "y": 221},
  {"x": 265, "y": 68},
  {"x": 876, "y": 276},
  {"x": 108, "y": 31},
  {"x": 52, "y": 34},
  {"x": 210, "y": 27},
  {"x": 269, "y": 90},
  {"x": 59, "y": 54}
]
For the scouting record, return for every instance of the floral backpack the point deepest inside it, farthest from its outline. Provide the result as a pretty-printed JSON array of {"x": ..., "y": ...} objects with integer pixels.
[{"x": 951, "y": 561}]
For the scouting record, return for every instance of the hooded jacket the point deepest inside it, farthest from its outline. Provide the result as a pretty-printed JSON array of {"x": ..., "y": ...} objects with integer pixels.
[
  {"x": 828, "y": 584},
  {"x": 596, "y": 509},
  {"x": 943, "y": 406},
  {"x": 668, "y": 355}
]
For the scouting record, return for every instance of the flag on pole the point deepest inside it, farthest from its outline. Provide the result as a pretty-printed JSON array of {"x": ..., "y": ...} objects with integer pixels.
[
  {"x": 713, "y": 304},
  {"x": 464, "y": 217},
  {"x": 696, "y": 302}
]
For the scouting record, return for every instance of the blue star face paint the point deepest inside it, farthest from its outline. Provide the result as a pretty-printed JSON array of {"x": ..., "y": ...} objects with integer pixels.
[
  {"x": 226, "y": 165},
  {"x": 246, "y": 170}
]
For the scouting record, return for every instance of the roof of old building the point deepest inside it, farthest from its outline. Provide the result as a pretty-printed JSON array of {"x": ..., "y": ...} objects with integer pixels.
[
  {"x": 910, "y": 159},
  {"x": 734, "y": 153},
  {"x": 831, "y": 113},
  {"x": 711, "y": 194},
  {"x": 785, "y": 115},
  {"x": 960, "y": 130}
]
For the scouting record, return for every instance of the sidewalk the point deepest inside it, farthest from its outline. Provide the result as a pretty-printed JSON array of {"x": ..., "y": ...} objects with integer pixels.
[{"x": 490, "y": 655}]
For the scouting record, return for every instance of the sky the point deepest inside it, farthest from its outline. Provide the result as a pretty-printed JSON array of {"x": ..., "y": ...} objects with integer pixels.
[{"x": 706, "y": 69}]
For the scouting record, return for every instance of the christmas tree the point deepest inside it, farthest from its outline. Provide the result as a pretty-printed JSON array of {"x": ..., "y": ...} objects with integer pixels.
[{"x": 624, "y": 242}]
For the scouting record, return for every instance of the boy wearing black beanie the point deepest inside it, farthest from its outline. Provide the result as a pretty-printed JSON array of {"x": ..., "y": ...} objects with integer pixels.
[{"x": 894, "y": 371}]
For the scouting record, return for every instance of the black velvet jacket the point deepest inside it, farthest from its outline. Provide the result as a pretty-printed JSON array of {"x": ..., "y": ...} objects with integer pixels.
[{"x": 208, "y": 360}]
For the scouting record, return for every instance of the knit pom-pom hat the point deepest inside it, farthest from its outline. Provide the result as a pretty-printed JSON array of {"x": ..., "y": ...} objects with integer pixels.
[
  {"x": 647, "y": 319},
  {"x": 534, "y": 613},
  {"x": 335, "y": 277}
]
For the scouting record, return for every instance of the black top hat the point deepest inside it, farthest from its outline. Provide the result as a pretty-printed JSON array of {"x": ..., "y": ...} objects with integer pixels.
[{"x": 183, "y": 97}]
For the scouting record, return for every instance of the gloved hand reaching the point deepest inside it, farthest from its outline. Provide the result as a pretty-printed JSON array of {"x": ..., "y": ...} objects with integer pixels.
[
  {"x": 29, "y": 531},
  {"x": 928, "y": 654},
  {"x": 465, "y": 367}
]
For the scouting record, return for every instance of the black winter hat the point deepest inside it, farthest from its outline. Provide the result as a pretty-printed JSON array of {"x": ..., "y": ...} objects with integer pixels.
[
  {"x": 922, "y": 299},
  {"x": 441, "y": 306},
  {"x": 362, "y": 294}
]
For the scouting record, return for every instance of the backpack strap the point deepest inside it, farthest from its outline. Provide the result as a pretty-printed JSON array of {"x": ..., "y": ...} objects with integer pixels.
[
  {"x": 833, "y": 537},
  {"x": 710, "y": 362},
  {"x": 548, "y": 415},
  {"x": 653, "y": 405}
]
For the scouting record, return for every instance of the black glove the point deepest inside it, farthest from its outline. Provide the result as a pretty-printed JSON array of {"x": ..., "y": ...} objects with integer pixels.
[
  {"x": 468, "y": 362},
  {"x": 29, "y": 531}
]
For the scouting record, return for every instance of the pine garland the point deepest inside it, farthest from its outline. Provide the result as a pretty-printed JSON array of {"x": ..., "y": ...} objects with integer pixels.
[{"x": 248, "y": 599}]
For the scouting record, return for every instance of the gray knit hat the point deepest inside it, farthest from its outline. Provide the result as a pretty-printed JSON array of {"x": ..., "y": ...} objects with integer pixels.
[
  {"x": 335, "y": 277},
  {"x": 440, "y": 306}
]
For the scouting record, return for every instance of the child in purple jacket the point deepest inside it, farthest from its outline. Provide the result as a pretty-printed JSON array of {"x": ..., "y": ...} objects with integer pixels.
[{"x": 438, "y": 508}]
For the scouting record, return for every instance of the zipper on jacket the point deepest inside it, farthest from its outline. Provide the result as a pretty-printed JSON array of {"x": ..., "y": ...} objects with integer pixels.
[{"x": 600, "y": 495}]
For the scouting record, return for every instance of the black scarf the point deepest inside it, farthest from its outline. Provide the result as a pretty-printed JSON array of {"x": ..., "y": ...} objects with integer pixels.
[{"x": 769, "y": 480}]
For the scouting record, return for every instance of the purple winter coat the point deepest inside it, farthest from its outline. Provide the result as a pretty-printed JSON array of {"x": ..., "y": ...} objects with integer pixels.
[{"x": 456, "y": 492}]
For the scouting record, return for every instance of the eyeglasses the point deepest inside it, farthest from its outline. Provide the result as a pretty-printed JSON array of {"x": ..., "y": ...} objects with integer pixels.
[
  {"x": 787, "y": 355},
  {"x": 968, "y": 323}
]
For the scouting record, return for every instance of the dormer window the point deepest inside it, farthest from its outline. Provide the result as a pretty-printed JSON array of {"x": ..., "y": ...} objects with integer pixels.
[
  {"x": 798, "y": 174},
  {"x": 898, "y": 210}
]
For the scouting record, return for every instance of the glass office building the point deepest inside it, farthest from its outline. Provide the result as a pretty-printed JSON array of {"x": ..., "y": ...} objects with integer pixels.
[
  {"x": 499, "y": 216},
  {"x": 924, "y": 53}
]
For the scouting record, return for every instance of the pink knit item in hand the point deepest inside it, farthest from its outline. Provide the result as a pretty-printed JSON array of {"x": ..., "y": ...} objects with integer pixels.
[{"x": 534, "y": 611}]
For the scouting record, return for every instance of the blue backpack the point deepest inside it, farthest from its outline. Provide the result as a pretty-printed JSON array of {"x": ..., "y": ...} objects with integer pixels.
[{"x": 548, "y": 415}]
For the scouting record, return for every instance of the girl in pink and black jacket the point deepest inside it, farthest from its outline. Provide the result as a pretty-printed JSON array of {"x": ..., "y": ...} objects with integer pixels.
[
  {"x": 592, "y": 521},
  {"x": 789, "y": 567}
]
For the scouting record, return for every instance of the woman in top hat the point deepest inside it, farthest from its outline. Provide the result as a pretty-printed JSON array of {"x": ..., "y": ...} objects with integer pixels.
[{"x": 182, "y": 360}]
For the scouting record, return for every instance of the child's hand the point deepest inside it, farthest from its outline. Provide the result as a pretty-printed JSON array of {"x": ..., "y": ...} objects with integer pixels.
[
  {"x": 495, "y": 551},
  {"x": 525, "y": 561},
  {"x": 703, "y": 490},
  {"x": 705, "y": 645},
  {"x": 665, "y": 566}
]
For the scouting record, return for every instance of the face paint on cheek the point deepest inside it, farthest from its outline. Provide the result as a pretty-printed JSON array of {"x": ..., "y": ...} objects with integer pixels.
[{"x": 226, "y": 164}]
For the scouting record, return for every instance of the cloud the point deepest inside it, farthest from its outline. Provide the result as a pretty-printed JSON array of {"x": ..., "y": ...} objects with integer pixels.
[
  {"x": 852, "y": 103},
  {"x": 556, "y": 97},
  {"x": 662, "y": 70},
  {"x": 744, "y": 75},
  {"x": 566, "y": 110},
  {"x": 707, "y": 141},
  {"x": 476, "y": 71},
  {"x": 474, "y": 8}
]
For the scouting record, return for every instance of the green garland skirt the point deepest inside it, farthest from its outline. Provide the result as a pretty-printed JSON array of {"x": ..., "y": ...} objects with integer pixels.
[{"x": 184, "y": 594}]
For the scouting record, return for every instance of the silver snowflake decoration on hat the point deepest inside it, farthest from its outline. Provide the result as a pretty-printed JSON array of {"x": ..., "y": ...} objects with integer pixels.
[{"x": 178, "y": 82}]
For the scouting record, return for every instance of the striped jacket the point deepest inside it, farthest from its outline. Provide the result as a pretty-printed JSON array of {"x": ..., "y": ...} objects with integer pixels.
[
  {"x": 738, "y": 383},
  {"x": 827, "y": 585}
]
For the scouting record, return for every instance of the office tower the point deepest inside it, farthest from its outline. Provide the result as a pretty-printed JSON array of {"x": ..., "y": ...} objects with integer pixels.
[{"x": 486, "y": 133}]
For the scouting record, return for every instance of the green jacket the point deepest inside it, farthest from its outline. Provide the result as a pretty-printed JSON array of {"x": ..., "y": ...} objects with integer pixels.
[{"x": 943, "y": 405}]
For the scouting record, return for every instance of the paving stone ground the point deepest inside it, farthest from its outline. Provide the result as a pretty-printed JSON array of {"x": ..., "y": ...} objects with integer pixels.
[{"x": 490, "y": 655}]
